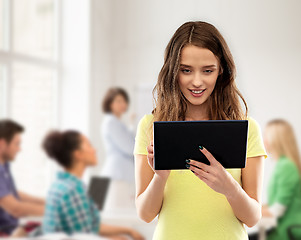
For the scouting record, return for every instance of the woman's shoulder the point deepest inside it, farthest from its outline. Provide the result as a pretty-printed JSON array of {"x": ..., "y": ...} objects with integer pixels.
[
  {"x": 286, "y": 168},
  {"x": 255, "y": 140},
  {"x": 286, "y": 163},
  {"x": 61, "y": 188},
  {"x": 146, "y": 119},
  {"x": 253, "y": 126},
  {"x": 252, "y": 121},
  {"x": 108, "y": 118}
]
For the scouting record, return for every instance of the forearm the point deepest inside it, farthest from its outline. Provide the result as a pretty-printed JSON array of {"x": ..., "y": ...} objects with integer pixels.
[
  {"x": 24, "y": 209},
  {"x": 107, "y": 230},
  {"x": 28, "y": 198},
  {"x": 245, "y": 208},
  {"x": 150, "y": 201}
]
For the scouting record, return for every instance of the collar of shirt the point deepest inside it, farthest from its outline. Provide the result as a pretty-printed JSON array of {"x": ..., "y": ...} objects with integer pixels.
[
  {"x": 4, "y": 169},
  {"x": 70, "y": 177}
]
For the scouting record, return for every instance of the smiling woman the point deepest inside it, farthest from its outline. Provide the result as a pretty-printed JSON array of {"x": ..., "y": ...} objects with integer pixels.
[{"x": 209, "y": 202}]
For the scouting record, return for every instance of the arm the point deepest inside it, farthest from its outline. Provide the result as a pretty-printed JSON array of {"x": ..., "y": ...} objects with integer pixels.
[
  {"x": 19, "y": 209},
  {"x": 150, "y": 185},
  {"x": 246, "y": 200},
  {"x": 109, "y": 230},
  {"x": 287, "y": 181},
  {"x": 28, "y": 198},
  {"x": 277, "y": 210}
]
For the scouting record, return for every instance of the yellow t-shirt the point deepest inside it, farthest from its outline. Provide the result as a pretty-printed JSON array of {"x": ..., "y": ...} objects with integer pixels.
[{"x": 192, "y": 210}]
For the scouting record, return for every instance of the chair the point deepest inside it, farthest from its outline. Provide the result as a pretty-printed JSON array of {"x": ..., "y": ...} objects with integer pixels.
[
  {"x": 4, "y": 228},
  {"x": 290, "y": 232}
]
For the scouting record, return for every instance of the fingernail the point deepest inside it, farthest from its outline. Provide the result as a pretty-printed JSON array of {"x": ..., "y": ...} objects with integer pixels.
[
  {"x": 187, "y": 165},
  {"x": 201, "y": 147},
  {"x": 187, "y": 160}
]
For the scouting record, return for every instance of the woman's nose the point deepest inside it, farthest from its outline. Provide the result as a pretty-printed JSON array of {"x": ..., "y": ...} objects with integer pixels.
[{"x": 197, "y": 80}]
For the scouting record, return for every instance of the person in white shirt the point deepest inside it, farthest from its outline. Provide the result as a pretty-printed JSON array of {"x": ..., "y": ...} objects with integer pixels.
[
  {"x": 119, "y": 140},
  {"x": 117, "y": 137}
]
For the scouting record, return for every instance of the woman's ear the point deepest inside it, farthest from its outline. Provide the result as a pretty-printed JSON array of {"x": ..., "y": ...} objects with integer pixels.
[
  {"x": 221, "y": 70},
  {"x": 76, "y": 155}
]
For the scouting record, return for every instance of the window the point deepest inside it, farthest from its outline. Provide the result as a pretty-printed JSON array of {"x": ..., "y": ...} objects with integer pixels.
[
  {"x": 2, "y": 92},
  {"x": 2, "y": 17},
  {"x": 33, "y": 27},
  {"x": 29, "y": 73}
]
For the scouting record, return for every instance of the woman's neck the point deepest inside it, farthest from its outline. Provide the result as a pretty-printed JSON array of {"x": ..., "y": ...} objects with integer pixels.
[
  {"x": 117, "y": 115},
  {"x": 196, "y": 112},
  {"x": 77, "y": 170}
]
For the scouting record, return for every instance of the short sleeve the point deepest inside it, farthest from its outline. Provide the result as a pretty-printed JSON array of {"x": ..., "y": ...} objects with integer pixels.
[
  {"x": 4, "y": 190},
  {"x": 142, "y": 138},
  {"x": 255, "y": 146},
  {"x": 287, "y": 182}
]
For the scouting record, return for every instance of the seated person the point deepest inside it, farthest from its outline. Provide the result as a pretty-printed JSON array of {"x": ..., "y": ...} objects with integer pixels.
[
  {"x": 13, "y": 204},
  {"x": 284, "y": 188},
  {"x": 69, "y": 209}
]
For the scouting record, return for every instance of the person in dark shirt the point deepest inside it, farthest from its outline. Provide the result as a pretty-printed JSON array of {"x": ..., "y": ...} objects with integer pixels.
[{"x": 13, "y": 203}]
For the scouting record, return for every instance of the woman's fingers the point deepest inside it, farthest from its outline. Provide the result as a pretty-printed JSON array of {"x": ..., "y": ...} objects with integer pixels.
[
  {"x": 209, "y": 156},
  {"x": 201, "y": 165},
  {"x": 150, "y": 149},
  {"x": 199, "y": 172}
]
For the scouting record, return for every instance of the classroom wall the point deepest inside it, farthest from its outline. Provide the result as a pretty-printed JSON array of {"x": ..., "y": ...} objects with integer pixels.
[{"x": 129, "y": 38}]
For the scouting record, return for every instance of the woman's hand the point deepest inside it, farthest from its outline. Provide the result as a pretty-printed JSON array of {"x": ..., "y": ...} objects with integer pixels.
[
  {"x": 214, "y": 175},
  {"x": 150, "y": 158},
  {"x": 265, "y": 211}
]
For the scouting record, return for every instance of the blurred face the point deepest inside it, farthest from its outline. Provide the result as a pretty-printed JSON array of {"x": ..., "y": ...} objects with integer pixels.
[
  {"x": 119, "y": 105},
  {"x": 10, "y": 150},
  {"x": 199, "y": 69},
  {"x": 86, "y": 153}
]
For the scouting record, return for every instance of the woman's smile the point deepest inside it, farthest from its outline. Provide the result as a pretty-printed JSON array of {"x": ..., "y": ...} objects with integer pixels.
[{"x": 197, "y": 93}]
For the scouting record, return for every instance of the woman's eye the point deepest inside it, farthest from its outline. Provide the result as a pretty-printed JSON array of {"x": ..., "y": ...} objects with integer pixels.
[
  {"x": 185, "y": 70},
  {"x": 208, "y": 71}
]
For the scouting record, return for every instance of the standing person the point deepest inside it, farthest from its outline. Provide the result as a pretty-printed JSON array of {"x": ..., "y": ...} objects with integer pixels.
[
  {"x": 284, "y": 188},
  {"x": 197, "y": 82},
  {"x": 69, "y": 209},
  {"x": 13, "y": 203},
  {"x": 118, "y": 139},
  {"x": 119, "y": 143}
]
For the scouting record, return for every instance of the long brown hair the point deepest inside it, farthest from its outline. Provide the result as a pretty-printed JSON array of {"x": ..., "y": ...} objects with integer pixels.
[
  {"x": 171, "y": 105},
  {"x": 282, "y": 140}
]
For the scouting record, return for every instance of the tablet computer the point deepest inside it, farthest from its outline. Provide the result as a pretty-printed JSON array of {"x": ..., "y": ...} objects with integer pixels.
[
  {"x": 176, "y": 141},
  {"x": 98, "y": 190}
]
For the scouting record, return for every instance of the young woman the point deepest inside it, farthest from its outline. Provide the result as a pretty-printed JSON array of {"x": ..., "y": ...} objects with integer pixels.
[
  {"x": 284, "y": 189},
  {"x": 208, "y": 202},
  {"x": 69, "y": 209},
  {"x": 118, "y": 139}
]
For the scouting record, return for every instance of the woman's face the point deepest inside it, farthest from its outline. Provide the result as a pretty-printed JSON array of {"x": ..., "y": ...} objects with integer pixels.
[
  {"x": 119, "y": 105},
  {"x": 199, "y": 69},
  {"x": 86, "y": 152}
]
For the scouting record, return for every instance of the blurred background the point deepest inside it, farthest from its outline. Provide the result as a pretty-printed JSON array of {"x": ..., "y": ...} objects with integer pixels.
[{"x": 59, "y": 57}]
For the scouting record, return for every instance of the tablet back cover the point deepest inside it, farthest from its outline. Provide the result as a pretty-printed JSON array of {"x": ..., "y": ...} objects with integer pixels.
[{"x": 175, "y": 141}]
